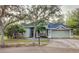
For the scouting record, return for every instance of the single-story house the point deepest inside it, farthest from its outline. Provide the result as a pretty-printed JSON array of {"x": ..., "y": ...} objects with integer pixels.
[{"x": 53, "y": 30}]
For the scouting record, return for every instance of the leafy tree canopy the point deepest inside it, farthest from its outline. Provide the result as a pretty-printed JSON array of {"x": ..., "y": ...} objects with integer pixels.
[
  {"x": 41, "y": 26},
  {"x": 42, "y": 12},
  {"x": 13, "y": 30},
  {"x": 73, "y": 19}
]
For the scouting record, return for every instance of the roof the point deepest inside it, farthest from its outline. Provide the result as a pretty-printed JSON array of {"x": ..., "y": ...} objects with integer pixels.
[
  {"x": 53, "y": 26},
  {"x": 57, "y": 26}
]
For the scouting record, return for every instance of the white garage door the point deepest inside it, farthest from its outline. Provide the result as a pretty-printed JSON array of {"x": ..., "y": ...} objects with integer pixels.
[{"x": 60, "y": 34}]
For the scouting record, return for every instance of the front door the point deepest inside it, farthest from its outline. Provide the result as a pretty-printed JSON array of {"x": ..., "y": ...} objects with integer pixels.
[{"x": 31, "y": 31}]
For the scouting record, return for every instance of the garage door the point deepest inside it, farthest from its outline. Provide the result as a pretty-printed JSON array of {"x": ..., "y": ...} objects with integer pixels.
[{"x": 60, "y": 34}]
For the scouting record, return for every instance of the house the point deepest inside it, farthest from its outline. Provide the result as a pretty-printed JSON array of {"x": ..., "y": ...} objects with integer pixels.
[
  {"x": 53, "y": 30},
  {"x": 58, "y": 30}
]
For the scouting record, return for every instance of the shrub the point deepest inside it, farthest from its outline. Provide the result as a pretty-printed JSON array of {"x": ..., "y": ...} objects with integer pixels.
[{"x": 14, "y": 31}]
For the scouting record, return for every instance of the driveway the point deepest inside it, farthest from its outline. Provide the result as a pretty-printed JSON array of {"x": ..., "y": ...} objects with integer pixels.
[{"x": 64, "y": 43}]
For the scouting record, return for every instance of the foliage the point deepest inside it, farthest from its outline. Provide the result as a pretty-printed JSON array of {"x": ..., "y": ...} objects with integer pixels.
[
  {"x": 8, "y": 15},
  {"x": 41, "y": 12},
  {"x": 12, "y": 13},
  {"x": 60, "y": 19},
  {"x": 14, "y": 30},
  {"x": 73, "y": 21},
  {"x": 41, "y": 26}
]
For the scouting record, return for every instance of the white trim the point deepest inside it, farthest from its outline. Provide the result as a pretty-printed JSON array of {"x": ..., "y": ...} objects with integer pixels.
[
  {"x": 49, "y": 34},
  {"x": 71, "y": 34},
  {"x": 60, "y": 26},
  {"x": 58, "y": 29}
]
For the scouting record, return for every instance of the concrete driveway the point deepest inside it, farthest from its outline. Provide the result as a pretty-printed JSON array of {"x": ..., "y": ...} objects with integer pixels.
[{"x": 64, "y": 43}]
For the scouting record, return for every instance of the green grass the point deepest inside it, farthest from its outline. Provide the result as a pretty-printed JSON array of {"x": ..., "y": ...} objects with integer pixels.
[
  {"x": 44, "y": 40},
  {"x": 17, "y": 40},
  {"x": 22, "y": 42}
]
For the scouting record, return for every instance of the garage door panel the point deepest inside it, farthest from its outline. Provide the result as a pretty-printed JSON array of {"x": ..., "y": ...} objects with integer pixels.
[{"x": 60, "y": 34}]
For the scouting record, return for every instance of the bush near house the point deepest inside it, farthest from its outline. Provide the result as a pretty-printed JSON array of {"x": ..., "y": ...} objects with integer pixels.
[{"x": 14, "y": 31}]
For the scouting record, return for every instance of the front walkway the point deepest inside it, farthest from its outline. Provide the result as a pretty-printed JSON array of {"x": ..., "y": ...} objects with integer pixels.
[{"x": 64, "y": 43}]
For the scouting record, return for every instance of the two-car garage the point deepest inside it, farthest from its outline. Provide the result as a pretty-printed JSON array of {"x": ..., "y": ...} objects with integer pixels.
[
  {"x": 59, "y": 34},
  {"x": 58, "y": 31}
]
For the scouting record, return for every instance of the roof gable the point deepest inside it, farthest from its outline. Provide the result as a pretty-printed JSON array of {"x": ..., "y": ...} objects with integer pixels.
[
  {"x": 57, "y": 26},
  {"x": 61, "y": 27}
]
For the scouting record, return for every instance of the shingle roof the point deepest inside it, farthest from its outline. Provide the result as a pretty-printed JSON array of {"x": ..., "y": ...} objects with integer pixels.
[
  {"x": 51, "y": 25},
  {"x": 56, "y": 25}
]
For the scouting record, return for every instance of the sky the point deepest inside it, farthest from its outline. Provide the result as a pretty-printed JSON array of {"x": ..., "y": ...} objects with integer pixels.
[{"x": 66, "y": 8}]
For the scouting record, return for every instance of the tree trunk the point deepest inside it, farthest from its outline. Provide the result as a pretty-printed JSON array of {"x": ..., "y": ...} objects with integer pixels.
[
  {"x": 39, "y": 38},
  {"x": 34, "y": 32},
  {"x": 2, "y": 33},
  {"x": 2, "y": 39}
]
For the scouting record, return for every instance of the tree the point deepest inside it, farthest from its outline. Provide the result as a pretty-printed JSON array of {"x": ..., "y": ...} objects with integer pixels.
[
  {"x": 40, "y": 25},
  {"x": 60, "y": 19},
  {"x": 54, "y": 21},
  {"x": 40, "y": 28},
  {"x": 73, "y": 20},
  {"x": 12, "y": 31},
  {"x": 38, "y": 12},
  {"x": 8, "y": 15}
]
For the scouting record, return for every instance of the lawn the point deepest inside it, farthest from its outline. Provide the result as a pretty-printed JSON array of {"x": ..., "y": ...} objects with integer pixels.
[
  {"x": 23, "y": 42},
  {"x": 76, "y": 36}
]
